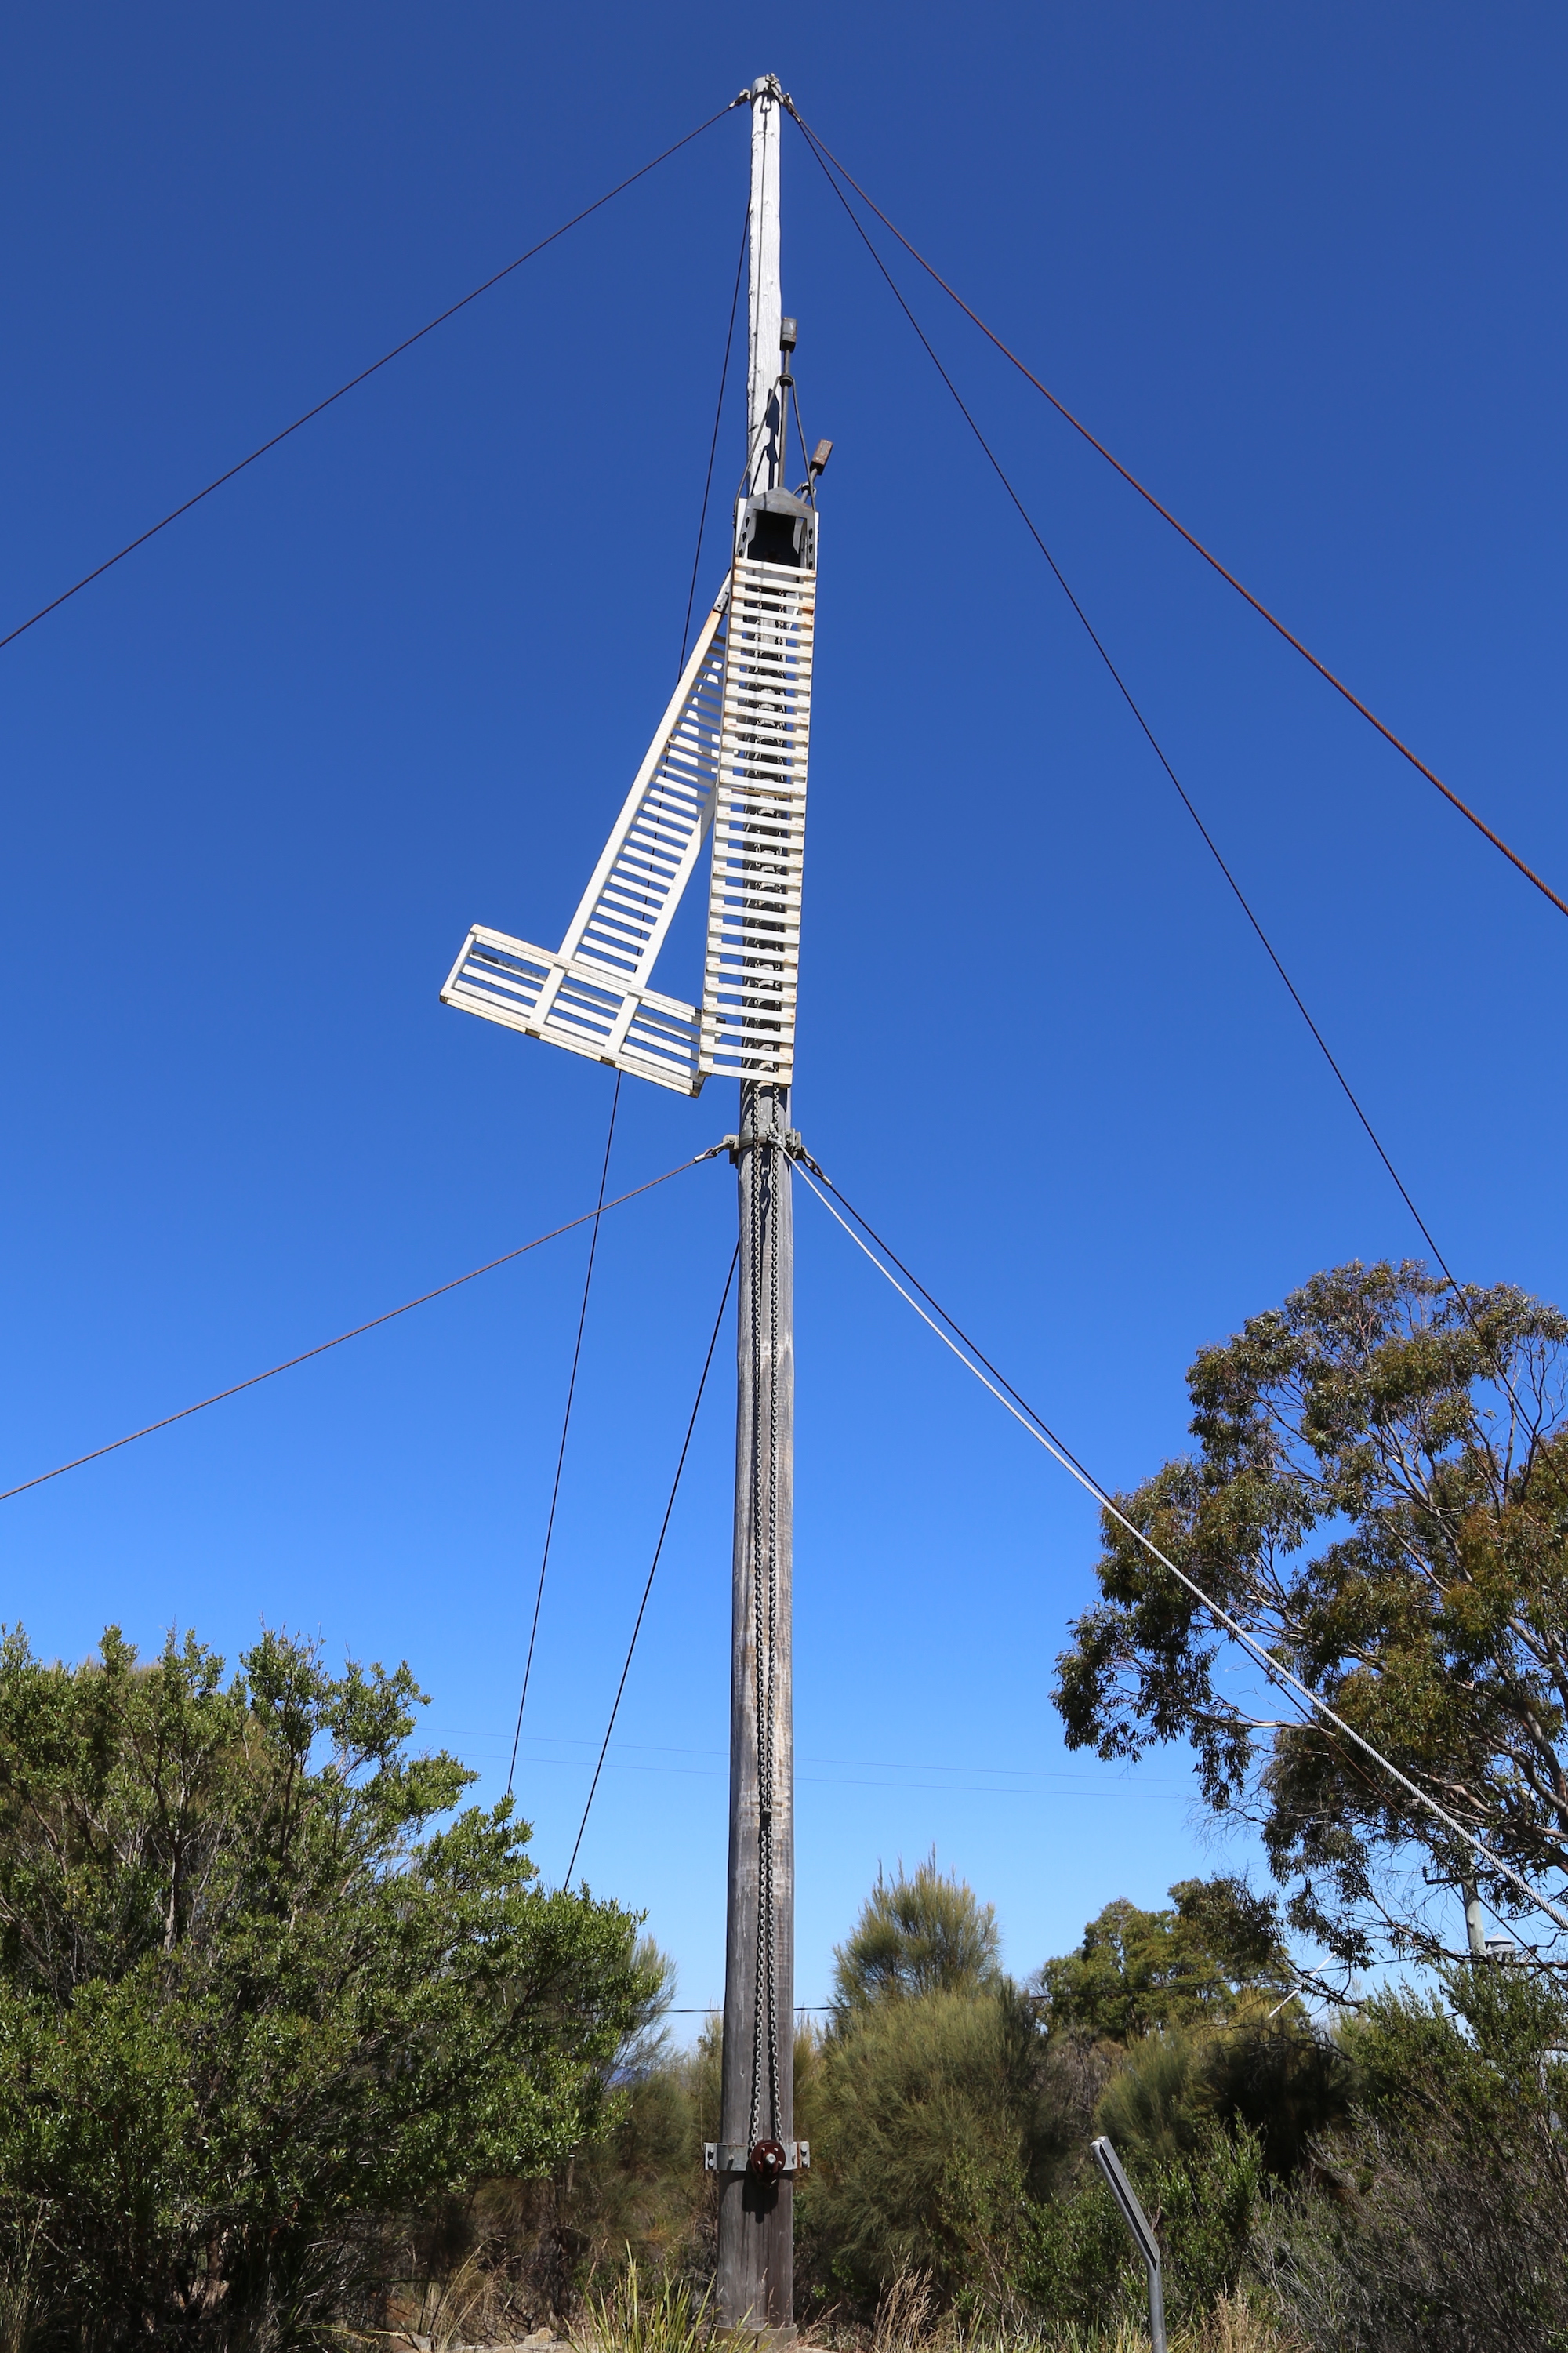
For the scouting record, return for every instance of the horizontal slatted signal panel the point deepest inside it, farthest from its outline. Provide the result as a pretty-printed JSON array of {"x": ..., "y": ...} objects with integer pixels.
[
  {"x": 750, "y": 975},
  {"x": 576, "y": 1005}
]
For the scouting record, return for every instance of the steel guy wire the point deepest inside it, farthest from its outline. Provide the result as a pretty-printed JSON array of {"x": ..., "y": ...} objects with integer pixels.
[
  {"x": 565, "y": 1425},
  {"x": 713, "y": 445},
  {"x": 456, "y": 1283},
  {"x": 664, "y": 1530},
  {"x": 1351, "y": 1763},
  {"x": 825, "y": 156},
  {"x": 1459, "y": 1290},
  {"x": 614, "y": 1101},
  {"x": 354, "y": 381},
  {"x": 1040, "y": 1432}
]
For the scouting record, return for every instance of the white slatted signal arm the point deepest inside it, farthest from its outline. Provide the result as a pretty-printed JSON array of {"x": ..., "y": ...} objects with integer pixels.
[
  {"x": 592, "y": 994},
  {"x": 730, "y": 757},
  {"x": 751, "y": 973}
]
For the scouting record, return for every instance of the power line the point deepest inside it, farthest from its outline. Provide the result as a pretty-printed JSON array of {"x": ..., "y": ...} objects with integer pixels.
[
  {"x": 322, "y": 1346},
  {"x": 647, "y": 1589},
  {"x": 396, "y": 352},
  {"x": 565, "y": 1426},
  {"x": 1042, "y": 1435},
  {"x": 823, "y": 152}
]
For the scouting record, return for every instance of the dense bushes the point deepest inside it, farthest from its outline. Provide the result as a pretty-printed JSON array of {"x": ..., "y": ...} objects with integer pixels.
[
  {"x": 277, "y": 2054},
  {"x": 251, "y": 2006},
  {"x": 1447, "y": 2228}
]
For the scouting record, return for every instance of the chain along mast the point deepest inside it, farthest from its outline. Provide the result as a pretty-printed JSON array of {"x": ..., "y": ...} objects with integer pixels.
[{"x": 728, "y": 760}]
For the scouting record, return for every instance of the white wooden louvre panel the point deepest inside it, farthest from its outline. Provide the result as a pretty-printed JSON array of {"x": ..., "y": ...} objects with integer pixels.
[
  {"x": 591, "y": 994},
  {"x": 751, "y": 976}
]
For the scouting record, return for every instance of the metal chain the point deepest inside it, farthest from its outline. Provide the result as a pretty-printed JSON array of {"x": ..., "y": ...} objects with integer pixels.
[
  {"x": 762, "y": 1187},
  {"x": 759, "y": 1694},
  {"x": 771, "y": 1189}
]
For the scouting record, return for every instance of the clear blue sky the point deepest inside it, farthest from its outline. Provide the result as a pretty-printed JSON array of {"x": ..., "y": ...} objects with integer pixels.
[{"x": 1302, "y": 268}]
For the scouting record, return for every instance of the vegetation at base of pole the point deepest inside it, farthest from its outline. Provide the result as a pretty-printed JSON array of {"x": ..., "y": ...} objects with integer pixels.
[
  {"x": 252, "y": 2004},
  {"x": 295, "y": 2049}
]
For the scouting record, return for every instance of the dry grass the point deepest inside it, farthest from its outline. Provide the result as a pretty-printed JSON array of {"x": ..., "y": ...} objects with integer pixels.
[
  {"x": 659, "y": 2315},
  {"x": 907, "y": 2322}
]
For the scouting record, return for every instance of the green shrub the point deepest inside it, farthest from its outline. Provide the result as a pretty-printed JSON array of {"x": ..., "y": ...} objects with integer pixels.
[
  {"x": 921, "y": 2158},
  {"x": 1076, "y": 2262},
  {"x": 1447, "y": 2226},
  {"x": 251, "y": 2002}
]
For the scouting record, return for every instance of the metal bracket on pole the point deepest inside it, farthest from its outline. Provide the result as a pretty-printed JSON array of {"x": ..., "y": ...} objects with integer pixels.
[
  {"x": 720, "y": 2157},
  {"x": 787, "y": 1139},
  {"x": 1137, "y": 2221}
]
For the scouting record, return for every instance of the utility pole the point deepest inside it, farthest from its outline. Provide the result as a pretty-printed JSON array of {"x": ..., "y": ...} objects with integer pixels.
[
  {"x": 1475, "y": 1921},
  {"x": 757, "y": 2156}
]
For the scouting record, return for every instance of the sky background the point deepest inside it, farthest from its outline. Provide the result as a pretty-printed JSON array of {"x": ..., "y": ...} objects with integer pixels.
[{"x": 1301, "y": 267}]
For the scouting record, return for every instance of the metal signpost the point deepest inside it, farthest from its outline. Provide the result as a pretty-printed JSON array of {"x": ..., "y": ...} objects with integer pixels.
[{"x": 1137, "y": 2221}]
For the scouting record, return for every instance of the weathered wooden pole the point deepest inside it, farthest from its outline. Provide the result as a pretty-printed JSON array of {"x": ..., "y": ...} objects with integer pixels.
[{"x": 756, "y": 2157}]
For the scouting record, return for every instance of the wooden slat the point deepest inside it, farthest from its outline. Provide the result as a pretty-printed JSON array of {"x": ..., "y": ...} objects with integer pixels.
[{"x": 759, "y": 826}]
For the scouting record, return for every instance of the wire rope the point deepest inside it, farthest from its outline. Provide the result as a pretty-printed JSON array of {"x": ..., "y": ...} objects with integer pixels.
[
  {"x": 647, "y": 1589},
  {"x": 354, "y": 381},
  {"x": 588, "y": 1277},
  {"x": 456, "y": 1283},
  {"x": 825, "y": 156},
  {"x": 1424, "y": 1231},
  {"x": 713, "y": 444},
  {"x": 565, "y": 1429},
  {"x": 1042, "y": 1435}
]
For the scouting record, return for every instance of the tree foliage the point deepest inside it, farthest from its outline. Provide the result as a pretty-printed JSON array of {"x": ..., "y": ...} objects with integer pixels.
[
  {"x": 1137, "y": 1972},
  {"x": 928, "y": 2093},
  {"x": 917, "y": 1934},
  {"x": 1379, "y": 1495},
  {"x": 252, "y": 1997}
]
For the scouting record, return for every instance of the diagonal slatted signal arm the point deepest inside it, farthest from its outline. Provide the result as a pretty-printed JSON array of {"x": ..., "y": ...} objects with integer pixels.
[
  {"x": 730, "y": 757},
  {"x": 591, "y": 994}
]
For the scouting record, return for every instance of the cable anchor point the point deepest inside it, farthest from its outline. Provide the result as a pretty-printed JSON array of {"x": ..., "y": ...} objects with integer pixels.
[{"x": 786, "y": 1140}]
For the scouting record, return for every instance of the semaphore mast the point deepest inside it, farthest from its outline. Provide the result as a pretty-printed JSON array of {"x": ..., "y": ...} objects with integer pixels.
[{"x": 729, "y": 759}]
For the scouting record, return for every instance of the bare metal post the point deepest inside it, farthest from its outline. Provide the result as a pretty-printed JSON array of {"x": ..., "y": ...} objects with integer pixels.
[{"x": 1137, "y": 2221}]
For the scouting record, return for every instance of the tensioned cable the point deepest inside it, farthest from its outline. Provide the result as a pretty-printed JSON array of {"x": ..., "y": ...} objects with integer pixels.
[
  {"x": 396, "y": 352},
  {"x": 1041, "y": 1433},
  {"x": 603, "y": 1210},
  {"x": 824, "y": 156},
  {"x": 565, "y": 1429},
  {"x": 1152, "y": 740},
  {"x": 614, "y": 1101},
  {"x": 1458, "y": 1292},
  {"x": 664, "y": 1530},
  {"x": 1352, "y": 1763},
  {"x": 713, "y": 445},
  {"x": 1159, "y": 752}
]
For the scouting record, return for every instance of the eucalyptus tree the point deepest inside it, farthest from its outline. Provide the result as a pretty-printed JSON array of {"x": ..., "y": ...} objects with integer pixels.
[{"x": 1379, "y": 1495}]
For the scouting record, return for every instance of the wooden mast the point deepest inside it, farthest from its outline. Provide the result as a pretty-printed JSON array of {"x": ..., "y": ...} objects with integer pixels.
[{"x": 757, "y": 2154}]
